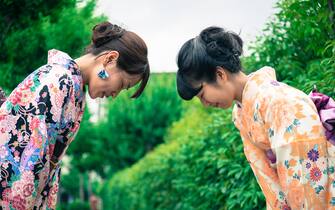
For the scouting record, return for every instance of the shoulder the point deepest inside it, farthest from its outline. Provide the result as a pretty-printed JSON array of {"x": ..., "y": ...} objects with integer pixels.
[
  {"x": 285, "y": 100},
  {"x": 53, "y": 75}
]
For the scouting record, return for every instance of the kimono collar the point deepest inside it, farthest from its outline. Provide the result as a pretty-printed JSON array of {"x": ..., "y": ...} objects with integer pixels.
[
  {"x": 58, "y": 57},
  {"x": 256, "y": 79}
]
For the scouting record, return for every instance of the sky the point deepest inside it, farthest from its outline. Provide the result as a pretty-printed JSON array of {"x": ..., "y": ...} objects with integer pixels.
[{"x": 166, "y": 24}]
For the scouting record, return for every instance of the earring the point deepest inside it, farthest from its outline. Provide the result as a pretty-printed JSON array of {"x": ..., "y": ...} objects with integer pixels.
[{"x": 103, "y": 74}]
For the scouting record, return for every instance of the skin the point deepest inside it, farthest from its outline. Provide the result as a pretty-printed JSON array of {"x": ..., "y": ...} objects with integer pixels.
[
  {"x": 118, "y": 79},
  {"x": 227, "y": 88}
]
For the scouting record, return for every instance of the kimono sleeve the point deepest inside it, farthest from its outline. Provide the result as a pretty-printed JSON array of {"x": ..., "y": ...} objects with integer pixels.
[{"x": 298, "y": 141}]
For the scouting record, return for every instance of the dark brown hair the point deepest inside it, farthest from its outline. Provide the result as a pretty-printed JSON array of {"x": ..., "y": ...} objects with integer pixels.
[
  {"x": 133, "y": 53},
  {"x": 199, "y": 58}
]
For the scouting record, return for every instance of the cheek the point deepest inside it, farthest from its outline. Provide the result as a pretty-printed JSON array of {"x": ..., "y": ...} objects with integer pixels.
[
  {"x": 229, "y": 99},
  {"x": 224, "y": 97},
  {"x": 95, "y": 87},
  {"x": 113, "y": 84}
]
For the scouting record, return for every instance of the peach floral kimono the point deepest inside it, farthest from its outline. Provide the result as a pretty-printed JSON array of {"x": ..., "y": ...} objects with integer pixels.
[{"x": 285, "y": 144}]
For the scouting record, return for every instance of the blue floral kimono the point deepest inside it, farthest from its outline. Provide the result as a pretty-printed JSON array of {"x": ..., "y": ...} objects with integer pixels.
[{"x": 38, "y": 121}]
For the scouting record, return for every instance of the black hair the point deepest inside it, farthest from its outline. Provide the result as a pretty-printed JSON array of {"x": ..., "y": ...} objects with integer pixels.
[
  {"x": 133, "y": 53},
  {"x": 199, "y": 58}
]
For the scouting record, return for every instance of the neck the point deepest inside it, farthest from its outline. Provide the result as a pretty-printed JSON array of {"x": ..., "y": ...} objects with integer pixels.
[
  {"x": 240, "y": 81},
  {"x": 86, "y": 64}
]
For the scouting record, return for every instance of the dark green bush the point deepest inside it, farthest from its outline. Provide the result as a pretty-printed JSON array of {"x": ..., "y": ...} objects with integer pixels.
[
  {"x": 131, "y": 128},
  {"x": 75, "y": 205},
  {"x": 203, "y": 167}
]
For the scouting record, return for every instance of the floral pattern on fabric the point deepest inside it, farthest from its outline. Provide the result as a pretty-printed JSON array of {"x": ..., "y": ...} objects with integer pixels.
[
  {"x": 278, "y": 118},
  {"x": 45, "y": 108}
]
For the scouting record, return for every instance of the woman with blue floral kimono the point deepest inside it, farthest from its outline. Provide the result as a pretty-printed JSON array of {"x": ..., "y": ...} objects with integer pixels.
[{"x": 41, "y": 117}]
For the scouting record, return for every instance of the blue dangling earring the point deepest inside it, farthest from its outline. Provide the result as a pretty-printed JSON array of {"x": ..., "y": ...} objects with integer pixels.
[{"x": 103, "y": 74}]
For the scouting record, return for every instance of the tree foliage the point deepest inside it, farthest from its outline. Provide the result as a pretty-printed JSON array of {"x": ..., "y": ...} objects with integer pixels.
[{"x": 30, "y": 28}]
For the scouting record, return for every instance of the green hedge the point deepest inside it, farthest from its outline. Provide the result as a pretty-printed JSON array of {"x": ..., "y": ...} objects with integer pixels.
[
  {"x": 75, "y": 205},
  {"x": 200, "y": 167},
  {"x": 132, "y": 128}
]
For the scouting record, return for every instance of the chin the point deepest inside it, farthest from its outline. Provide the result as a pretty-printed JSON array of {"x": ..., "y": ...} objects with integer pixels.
[
  {"x": 225, "y": 105},
  {"x": 220, "y": 106}
]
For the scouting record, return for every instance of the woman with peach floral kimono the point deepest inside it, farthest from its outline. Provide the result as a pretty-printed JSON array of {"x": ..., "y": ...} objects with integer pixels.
[
  {"x": 284, "y": 140},
  {"x": 41, "y": 117}
]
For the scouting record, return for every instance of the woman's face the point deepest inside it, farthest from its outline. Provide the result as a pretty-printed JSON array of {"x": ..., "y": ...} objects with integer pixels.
[
  {"x": 217, "y": 94},
  {"x": 117, "y": 80}
]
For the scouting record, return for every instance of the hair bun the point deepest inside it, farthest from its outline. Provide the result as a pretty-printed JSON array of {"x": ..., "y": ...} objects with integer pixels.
[
  {"x": 105, "y": 32},
  {"x": 222, "y": 44},
  {"x": 210, "y": 34}
]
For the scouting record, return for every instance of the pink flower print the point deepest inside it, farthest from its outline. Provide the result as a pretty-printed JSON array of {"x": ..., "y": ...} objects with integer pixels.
[
  {"x": 54, "y": 189},
  {"x": 2, "y": 117},
  {"x": 34, "y": 123},
  {"x": 44, "y": 94},
  {"x": 11, "y": 124},
  {"x": 3, "y": 152},
  {"x": 4, "y": 165},
  {"x": 28, "y": 189},
  {"x": 28, "y": 177},
  {"x": 17, "y": 187},
  {"x": 4, "y": 184},
  {"x": 26, "y": 85},
  {"x": 26, "y": 98},
  {"x": 315, "y": 174},
  {"x": 16, "y": 98},
  {"x": 7, "y": 195},
  {"x": 16, "y": 153},
  {"x": 19, "y": 203},
  {"x": 51, "y": 201},
  {"x": 16, "y": 156}
]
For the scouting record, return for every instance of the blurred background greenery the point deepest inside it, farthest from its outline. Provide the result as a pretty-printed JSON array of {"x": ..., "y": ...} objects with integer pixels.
[{"x": 158, "y": 152}]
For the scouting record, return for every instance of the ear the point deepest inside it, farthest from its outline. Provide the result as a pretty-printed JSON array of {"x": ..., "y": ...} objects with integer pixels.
[
  {"x": 111, "y": 56},
  {"x": 221, "y": 74}
]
